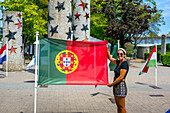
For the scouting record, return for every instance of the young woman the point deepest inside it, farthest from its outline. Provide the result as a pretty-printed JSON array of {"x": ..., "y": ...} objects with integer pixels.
[{"x": 119, "y": 85}]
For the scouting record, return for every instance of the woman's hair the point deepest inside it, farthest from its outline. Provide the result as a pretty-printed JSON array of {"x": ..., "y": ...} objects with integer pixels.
[{"x": 124, "y": 51}]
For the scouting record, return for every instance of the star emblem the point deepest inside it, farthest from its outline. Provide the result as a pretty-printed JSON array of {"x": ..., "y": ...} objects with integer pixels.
[
  {"x": 69, "y": 34},
  {"x": 84, "y": 5},
  {"x": 22, "y": 35},
  {"x": 53, "y": 30},
  {"x": 74, "y": 38},
  {"x": 21, "y": 48},
  {"x": 60, "y": 6},
  {"x": 12, "y": 50},
  {"x": 87, "y": 16},
  {"x": 77, "y": 16},
  {"x": 19, "y": 24},
  {"x": 8, "y": 19},
  {"x": 69, "y": 18},
  {"x": 50, "y": 18},
  {"x": 85, "y": 28},
  {"x": 11, "y": 35},
  {"x": 19, "y": 15},
  {"x": 74, "y": 27}
]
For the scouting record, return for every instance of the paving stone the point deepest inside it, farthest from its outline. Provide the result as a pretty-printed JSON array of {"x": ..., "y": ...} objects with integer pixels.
[{"x": 17, "y": 96}]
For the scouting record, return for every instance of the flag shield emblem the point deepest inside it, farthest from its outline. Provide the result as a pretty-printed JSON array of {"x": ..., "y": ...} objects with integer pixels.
[{"x": 66, "y": 61}]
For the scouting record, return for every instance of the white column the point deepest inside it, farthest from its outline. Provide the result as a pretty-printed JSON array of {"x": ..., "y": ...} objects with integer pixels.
[
  {"x": 58, "y": 24},
  {"x": 81, "y": 19},
  {"x": 12, "y": 33}
]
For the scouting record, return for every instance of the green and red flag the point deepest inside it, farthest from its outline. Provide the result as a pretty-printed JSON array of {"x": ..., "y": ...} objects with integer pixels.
[
  {"x": 64, "y": 62},
  {"x": 151, "y": 61}
]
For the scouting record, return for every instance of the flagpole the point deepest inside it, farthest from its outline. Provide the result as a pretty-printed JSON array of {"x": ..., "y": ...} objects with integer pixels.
[
  {"x": 156, "y": 81},
  {"x": 7, "y": 58},
  {"x": 118, "y": 44},
  {"x": 36, "y": 76}
]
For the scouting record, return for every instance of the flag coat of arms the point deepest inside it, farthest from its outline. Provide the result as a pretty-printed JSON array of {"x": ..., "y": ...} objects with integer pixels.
[
  {"x": 151, "y": 61},
  {"x": 64, "y": 62},
  {"x": 3, "y": 54}
]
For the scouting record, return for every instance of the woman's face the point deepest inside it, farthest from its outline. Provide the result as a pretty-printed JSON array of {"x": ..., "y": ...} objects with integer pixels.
[{"x": 120, "y": 55}]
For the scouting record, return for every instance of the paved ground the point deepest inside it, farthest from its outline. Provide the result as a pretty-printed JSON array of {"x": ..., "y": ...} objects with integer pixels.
[{"x": 17, "y": 94}]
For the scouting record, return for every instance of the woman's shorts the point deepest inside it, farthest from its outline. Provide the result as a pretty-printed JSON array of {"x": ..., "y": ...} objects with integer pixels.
[{"x": 120, "y": 89}]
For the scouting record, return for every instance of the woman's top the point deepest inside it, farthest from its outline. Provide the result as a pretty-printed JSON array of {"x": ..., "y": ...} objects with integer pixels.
[{"x": 123, "y": 65}]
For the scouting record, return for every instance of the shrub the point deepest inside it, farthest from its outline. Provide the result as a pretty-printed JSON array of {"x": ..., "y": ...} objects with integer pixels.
[
  {"x": 159, "y": 48},
  {"x": 165, "y": 59},
  {"x": 128, "y": 53},
  {"x": 167, "y": 53}
]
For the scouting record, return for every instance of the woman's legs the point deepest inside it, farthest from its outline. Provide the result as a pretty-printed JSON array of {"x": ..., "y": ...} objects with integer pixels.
[{"x": 120, "y": 102}]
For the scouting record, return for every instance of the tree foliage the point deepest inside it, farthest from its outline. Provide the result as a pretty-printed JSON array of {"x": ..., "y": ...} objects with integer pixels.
[
  {"x": 97, "y": 24},
  {"x": 34, "y": 14},
  {"x": 129, "y": 19}
]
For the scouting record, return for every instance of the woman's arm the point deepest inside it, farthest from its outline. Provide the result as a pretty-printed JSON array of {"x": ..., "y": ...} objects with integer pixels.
[
  {"x": 122, "y": 74},
  {"x": 113, "y": 60}
]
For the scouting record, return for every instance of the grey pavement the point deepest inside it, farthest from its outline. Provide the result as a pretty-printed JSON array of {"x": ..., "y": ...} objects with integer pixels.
[{"x": 17, "y": 94}]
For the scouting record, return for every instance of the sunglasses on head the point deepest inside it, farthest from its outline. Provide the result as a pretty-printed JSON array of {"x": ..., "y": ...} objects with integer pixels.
[{"x": 121, "y": 54}]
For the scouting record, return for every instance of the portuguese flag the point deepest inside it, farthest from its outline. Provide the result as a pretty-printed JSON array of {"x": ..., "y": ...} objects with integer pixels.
[
  {"x": 64, "y": 62},
  {"x": 151, "y": 61}
]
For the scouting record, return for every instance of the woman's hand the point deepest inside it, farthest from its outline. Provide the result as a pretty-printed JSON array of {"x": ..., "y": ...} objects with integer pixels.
[{"x": 110, "y": 85}]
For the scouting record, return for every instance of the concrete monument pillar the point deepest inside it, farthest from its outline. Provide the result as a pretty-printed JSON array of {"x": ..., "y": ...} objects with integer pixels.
[
  {"x": 12, "y": 33},
  {"x": 163, "y": 44},
  {"x": 59, "y": 19},
  {"x": 81, "y": 20}
]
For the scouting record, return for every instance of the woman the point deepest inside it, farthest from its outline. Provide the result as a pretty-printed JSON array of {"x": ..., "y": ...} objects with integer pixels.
[{"x": 119, "y": 85}]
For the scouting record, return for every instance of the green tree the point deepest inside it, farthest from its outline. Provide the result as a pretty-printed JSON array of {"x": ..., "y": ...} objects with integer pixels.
[
  {"x": 129, "y": 19},
  {"x": 98, "y": 24},
  {"x": 34, "y": 14}
]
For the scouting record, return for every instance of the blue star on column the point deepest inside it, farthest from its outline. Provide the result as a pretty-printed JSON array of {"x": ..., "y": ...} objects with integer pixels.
[
  {"x": 53, "y": 30},
  {"x": 69, "y": 18},
  {"x": 74, "y": 27},
  {"x": 60, "y": 6},
  {"x": 69, "y": 34},
  {"x": 50, "y": 18},
  {"x": 85, "y": 28},
  {"x": 74, "y": 38},
  {"x": 11, "y": 35},
  {"x": 8, "y": 19},
  {"x": 21, "y": 48}
]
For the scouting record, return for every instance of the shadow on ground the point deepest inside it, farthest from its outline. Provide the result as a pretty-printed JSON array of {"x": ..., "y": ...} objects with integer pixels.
[
  {"x": 31, "y": 71},
  {"x": 154, "y": 87},
  {"x": 29, "y": 81},
  {"x": 95, "y": 94}
]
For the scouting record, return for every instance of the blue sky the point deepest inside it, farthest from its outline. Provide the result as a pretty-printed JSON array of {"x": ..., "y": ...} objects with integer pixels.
[
  {"x": 161, "y": 4},
  {"x": 164, "y": 5}
]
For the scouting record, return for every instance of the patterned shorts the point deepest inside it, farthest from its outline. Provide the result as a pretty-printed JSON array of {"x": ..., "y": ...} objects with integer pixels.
[{"x": 120, "y": 89}]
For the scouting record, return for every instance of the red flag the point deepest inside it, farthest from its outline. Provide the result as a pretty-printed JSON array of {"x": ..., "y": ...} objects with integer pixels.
[{"x": 72, "y": 62}]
